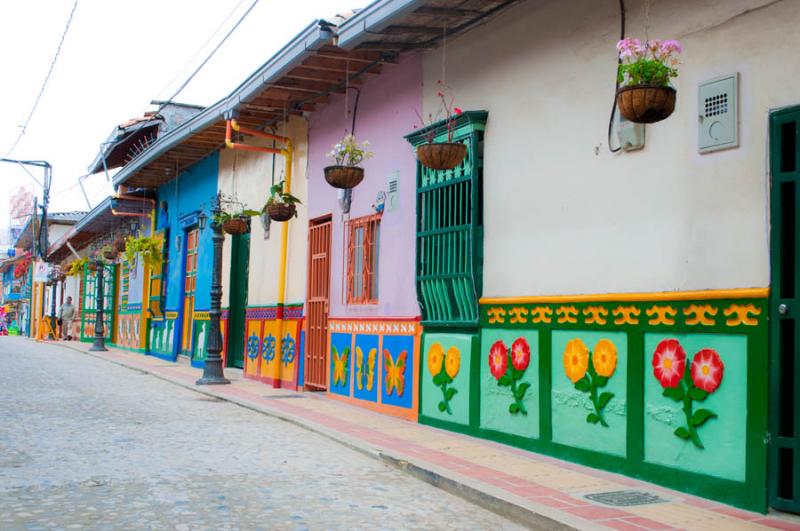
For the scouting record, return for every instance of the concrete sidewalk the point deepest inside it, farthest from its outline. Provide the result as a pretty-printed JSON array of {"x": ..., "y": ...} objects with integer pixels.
[{"x": 538, "y": 491}]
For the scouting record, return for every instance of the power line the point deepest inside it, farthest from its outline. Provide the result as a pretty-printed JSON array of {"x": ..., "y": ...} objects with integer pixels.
[
  {"x": 46, "y": 79},
  {"x": 210, "y": 55},
  {"x": 197, "y": 53}
]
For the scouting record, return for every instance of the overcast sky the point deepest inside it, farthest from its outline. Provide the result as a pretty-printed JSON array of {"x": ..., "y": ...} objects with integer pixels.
[{"x": 117, "y": 57}]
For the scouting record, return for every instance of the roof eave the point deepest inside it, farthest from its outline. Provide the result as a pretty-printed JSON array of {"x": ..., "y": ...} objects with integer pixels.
[
  {"x": 373, "y": 18},
  {"x": 314, "y": 36}
]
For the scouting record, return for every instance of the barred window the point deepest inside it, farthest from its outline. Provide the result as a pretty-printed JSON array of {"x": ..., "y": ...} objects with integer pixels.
[{"x": 363, "y": 243}]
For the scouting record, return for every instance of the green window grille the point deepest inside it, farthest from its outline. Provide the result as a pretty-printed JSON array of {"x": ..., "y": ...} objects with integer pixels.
[
  {"x": 449, "y": 272},
  {"x": 89, "y": 309}
]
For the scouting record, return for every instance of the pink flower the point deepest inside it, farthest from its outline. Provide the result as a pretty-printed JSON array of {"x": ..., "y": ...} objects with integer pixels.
[
  {"x": 457, "y": 110},
  {"x": 707, "y": 370},
  {"x": 671, "y": 46},
  {"x": 520, "y": 354},
  {"x": 498, "y": 359},
  {"x": 654, "y": 45},
  {"x": 669, "y": 363},
  {"x": 630, "y": 48}
]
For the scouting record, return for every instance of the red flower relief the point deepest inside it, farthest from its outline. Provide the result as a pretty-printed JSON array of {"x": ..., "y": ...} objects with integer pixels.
[
  {"x": 520, "y": 354},
  {"x": 669, "y": 362},
  {"x": 498, "y": 359},
  {"x": 707, "y": 369}
]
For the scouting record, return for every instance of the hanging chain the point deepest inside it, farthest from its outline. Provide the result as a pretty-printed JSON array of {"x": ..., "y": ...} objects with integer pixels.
[
  {"x": 346, "y": 93},
  {"x": 647, "y": 20},
  {"x": 444, "y": 52}
]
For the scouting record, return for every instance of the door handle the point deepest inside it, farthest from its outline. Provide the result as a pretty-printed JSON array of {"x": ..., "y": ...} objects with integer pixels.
[{"x": 783, "y": 309}]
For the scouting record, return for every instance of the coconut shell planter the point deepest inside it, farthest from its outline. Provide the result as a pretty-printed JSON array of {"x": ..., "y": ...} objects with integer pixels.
[
  {"x": 235, "y": 226},
  {"x": 646, "y": 104},
  {"x": 441, "y": 155},
  {"x": 281, "y": 211},
  {"x": 344, "y": 177}
]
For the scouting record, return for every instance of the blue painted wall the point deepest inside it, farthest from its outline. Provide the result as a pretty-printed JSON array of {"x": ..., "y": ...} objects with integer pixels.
[{"x": 186, "y": 196}]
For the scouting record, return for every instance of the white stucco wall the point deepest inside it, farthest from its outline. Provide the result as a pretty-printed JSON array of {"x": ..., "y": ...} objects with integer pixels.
[
  {"x": 250, "y": 182},
  {"x": 563, "y": 215}
]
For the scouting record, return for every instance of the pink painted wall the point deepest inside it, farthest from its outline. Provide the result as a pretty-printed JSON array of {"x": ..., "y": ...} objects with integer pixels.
[{"x": 386, "y": 112}]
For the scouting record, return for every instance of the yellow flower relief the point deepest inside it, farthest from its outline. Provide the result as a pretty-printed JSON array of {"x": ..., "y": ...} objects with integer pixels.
[
  {"x": 576, "y": 359},
  {"x": 604, "y": 358},
  {"x": 435, "y": 358},
  {"x": 452, "y": 362}
]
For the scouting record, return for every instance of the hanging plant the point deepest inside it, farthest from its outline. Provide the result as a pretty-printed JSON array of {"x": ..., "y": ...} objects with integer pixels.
[
  {"x": 235, "y": 222},
  {"x": 148, "y": 247},
  {"x": 347, "y": 154},
  {"x": 75, "y": 267},
  {"x": 119, "y": 244},
  {"x": 108, "y": 252},
  {"x": 22, "y": 265},
  {"x": 645, "y": 95},
  {"x": 281, "y": 206},
  {"x": 441, "y": 155}
]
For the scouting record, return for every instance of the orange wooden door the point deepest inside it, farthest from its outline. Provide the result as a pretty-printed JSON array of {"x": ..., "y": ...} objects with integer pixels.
[
  {"x": 189, "y": 286},
  {"x": 319, "y": 275}
]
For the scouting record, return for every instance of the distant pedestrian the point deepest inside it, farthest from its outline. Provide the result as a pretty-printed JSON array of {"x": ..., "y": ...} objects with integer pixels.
[{"x": 67, "y": 314}]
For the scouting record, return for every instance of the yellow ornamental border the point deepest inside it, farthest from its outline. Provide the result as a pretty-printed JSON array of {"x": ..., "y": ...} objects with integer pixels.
[{"x": 737, "y": 293}]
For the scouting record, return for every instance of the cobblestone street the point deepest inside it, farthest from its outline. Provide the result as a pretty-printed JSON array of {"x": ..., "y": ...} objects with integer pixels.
[{"x": 88, "y": 444}]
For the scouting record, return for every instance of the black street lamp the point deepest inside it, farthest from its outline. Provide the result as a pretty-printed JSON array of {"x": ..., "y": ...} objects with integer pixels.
[
  {"x": 99, "y": 344},
  {"x": 212, "y": 369}
]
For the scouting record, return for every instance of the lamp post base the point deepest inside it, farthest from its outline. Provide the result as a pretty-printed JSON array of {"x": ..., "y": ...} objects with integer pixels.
[
  {"x": 99, "y": 345},
  {"x": 212, "y": 373}
]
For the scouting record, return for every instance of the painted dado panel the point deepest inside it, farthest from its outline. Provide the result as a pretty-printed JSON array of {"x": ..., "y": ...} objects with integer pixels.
[
  {"x": 272, "y": 344},
  {"x": 669, "y": 387},
  {"x": 374, "y": 364},
  {"x": 565, "y": 215}
]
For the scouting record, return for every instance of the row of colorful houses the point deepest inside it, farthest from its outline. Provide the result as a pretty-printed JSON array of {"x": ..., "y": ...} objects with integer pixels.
[{"x": 631, "y": 309}]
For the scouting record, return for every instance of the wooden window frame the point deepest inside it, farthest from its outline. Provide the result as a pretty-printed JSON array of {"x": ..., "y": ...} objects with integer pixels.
[{"x": 365, "y": 291}]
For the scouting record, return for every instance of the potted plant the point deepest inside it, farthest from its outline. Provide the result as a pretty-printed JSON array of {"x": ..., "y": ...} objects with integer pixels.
[
  {"x": 281, "y": 206},
  {"x": 347, "y": 154},
  {"x": 21, "y": 267},
  {"x": 441, "y": 155},
  {"x": 645, "y": 95},
  {"x": 108, "y": 252},
  {"x": 148, "y": 247},
  {"x": 236, "y": 222},
  {"x": 76, "y": 267}
]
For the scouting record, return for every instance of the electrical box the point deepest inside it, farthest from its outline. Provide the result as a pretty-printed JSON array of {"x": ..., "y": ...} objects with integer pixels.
[
  {"x": 393, "y": 191},
  {"x": 718, "y": 113},
  {"x": 629, "y": 134}
]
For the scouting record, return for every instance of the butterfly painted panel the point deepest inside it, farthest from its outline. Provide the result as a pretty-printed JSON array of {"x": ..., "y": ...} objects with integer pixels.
[
  {"x": 365, "y": 384},
  {"x": 397, "y": 371},
  {"x": 340, "y": 364}
]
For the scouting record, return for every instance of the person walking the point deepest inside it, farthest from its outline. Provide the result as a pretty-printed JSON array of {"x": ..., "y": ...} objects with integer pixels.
[{"x": 66, "y": 314}]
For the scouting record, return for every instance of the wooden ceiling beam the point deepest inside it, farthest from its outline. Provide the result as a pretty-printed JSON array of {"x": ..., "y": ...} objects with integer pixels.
[
  {"x": 446, "y": 11},
  {"x": 412, "y": 30}
]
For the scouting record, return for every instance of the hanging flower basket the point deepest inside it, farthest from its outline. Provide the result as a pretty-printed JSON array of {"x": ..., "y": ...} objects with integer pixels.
[
  {"x": 646, "y": 104},
  {"x": 119, "y": 245},
  {"x": 344, "y": 177},
  {"x": 235, "y": 226},
  {"x": 109, "y": 254},
  {"x": 281, "y": 211},
  {"x": 441, "y": 155},
  {"x": 645, "y": 69}
]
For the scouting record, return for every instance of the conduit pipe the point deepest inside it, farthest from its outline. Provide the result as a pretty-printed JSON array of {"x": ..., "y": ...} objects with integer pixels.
[{"x": 287, "y": 152}]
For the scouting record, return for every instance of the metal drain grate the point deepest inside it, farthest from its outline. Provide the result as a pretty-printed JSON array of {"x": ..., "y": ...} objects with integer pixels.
[
  {"x": 283, "y": 396},
  {"x": 625, "y": 498}
]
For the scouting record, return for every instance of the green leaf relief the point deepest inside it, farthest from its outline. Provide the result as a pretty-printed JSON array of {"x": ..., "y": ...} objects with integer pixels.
[
  {"x": 504, "y": 380},
  {"x": 450, "y": 393},
  {"x": 442, "y": 406},
  {"x": 675, "y": 393},
  {"x": 592, "y": 418},
  {"x": 582, "y": 385},
  {"x": 683, "y": 433},
  {"x": 521, "y": 389},
  {"x": 513, "y": 408},
  {"x": 701, "y": 416},
  {"x": 695, "y": 393},
  {"x": 601, "y": 381},
  {"x": 603, "y": 400}
]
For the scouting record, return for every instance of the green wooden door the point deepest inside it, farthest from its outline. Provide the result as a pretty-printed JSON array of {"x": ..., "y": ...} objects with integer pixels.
[
  {"x": 784, "y": 451},
  {"x": 240, "y": 259}
]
